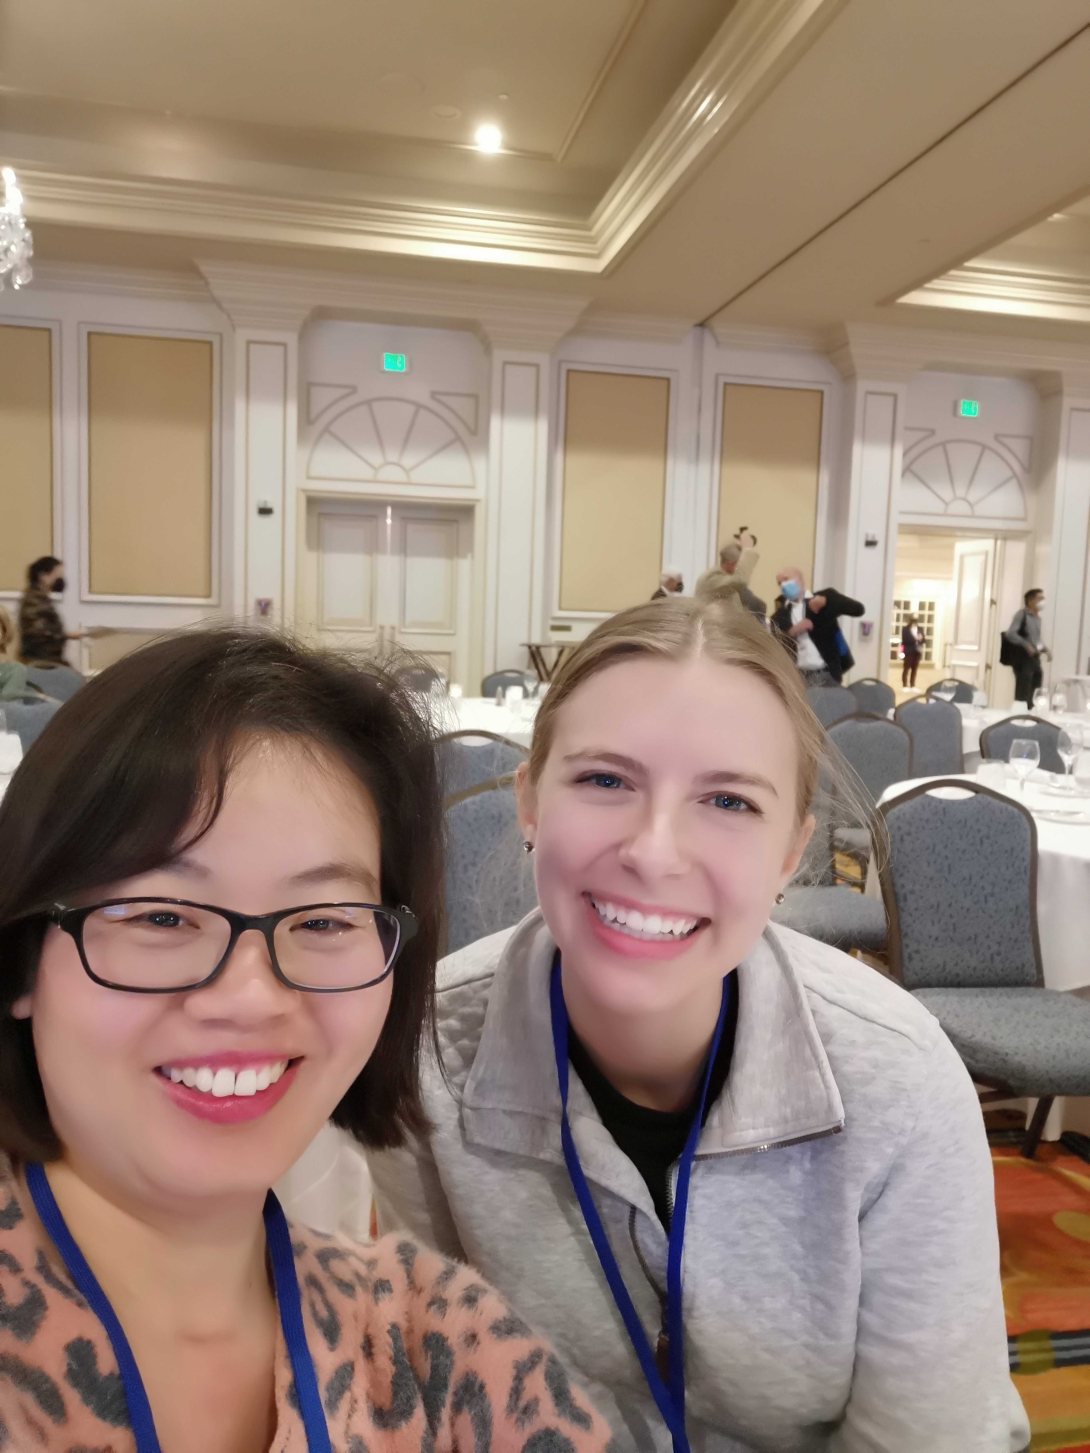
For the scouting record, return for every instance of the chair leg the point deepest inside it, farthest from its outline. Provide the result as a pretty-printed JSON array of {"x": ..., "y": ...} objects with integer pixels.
[{"x": 1035, "y": 1128}]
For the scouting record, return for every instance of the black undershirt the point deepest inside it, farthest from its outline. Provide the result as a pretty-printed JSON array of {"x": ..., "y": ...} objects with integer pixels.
[{"x": 653, "y": 1139}]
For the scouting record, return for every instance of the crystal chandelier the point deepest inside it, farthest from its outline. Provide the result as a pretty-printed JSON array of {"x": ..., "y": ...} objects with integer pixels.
[{"x": 16, "y": 243}]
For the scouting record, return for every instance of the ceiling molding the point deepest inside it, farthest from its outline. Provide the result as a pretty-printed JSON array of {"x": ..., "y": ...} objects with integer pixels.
[
  {"x": 122, "y": 282},
  {"x": 756, "y": 43},
  {"x": 995, "y": 287},
  {"x": 759, "y": 337},
  {"x": 874, "y": 351},
  {"x": 505, "y": 318},
  {"x": 633, "y": 327}
]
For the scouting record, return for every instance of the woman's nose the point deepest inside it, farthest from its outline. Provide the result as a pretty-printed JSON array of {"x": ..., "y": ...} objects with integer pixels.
[
  {"x": 246, "y": 988},
  {"x": 654, "y": 847}
]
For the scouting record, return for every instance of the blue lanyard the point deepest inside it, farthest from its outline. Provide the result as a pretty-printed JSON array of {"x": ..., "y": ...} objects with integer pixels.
[
  {"x": 668, "y": 1395},
  {"x": 278, "y": 1239}
]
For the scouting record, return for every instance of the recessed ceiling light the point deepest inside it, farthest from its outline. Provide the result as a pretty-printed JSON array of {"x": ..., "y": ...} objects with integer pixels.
[
  {"x": 446, "y": 113},
  {"x": 504, "y": 96},
  {"x": 488, "y": 137}
]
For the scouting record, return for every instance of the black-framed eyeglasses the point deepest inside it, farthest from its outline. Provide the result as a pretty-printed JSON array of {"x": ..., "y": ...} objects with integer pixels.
[{"x": 167, "y": 945}]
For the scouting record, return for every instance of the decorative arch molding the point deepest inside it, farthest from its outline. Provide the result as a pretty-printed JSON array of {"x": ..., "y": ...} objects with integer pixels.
[
  {"x": 391, "y": 441},
  {"x": 960, "y": 479}
]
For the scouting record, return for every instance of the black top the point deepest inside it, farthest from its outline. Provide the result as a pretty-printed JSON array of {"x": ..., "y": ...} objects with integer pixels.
[
  {"x": 825, "y": 624},
  {"x": 653, "y": 1139}
]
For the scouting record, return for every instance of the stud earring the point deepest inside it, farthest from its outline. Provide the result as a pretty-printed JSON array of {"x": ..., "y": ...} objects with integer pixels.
[
  {"x": 527, "y": 846},
  {"x": 779, "y": 897}
]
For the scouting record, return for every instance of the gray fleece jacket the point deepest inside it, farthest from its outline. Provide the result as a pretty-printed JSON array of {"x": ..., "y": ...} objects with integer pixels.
[{"x": 841, "y": 1272}]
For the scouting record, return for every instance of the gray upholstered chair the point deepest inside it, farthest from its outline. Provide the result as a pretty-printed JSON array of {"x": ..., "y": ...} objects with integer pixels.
[
  {"x": 873, "y": 696},
  {"x": 468, "y": 758},
  {"x": 60, "y": 682},
  {"x": 29, "y": 718},
  {"x": 501, "y": 680},
  {"x": 995, "y": 740},
  {"x": 831, "y": 703},
  {"x": 960, "y": 888},
  {"x": 879, "y": 752},
  {"x": 963, "y": 692},
  {"x": 935, "y": 729},
  {"x": 489, "y": 880},
  {"x": 420, "y": 678}
]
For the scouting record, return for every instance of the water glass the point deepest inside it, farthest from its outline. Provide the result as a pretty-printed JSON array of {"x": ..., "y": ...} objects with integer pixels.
[
  {"x": 1068, "y": 745},
  {"x": 1040, "y": 702},
  {"x": 512, "y": 698},
  {"x": 1025, "y": 753},
  {"x": 1059, "y": 701}
]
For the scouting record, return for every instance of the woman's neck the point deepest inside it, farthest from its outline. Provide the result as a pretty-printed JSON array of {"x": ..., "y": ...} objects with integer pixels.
[
  {"x": 654, "y": 1060},
  {"x": 198, "y": 1278}
]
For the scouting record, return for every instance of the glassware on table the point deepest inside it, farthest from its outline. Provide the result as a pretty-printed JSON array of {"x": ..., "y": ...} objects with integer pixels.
[
  {"x": 944, "y": 693},
  {"x": 1068, "y": 746},
  {"x": 455, "y": 691},
  {"x": 1024, "y": 755},
  {"x": 512, "y": 698},
  {"x": 1040, "y": 702},
  {"x": 1059, "y": 701}
]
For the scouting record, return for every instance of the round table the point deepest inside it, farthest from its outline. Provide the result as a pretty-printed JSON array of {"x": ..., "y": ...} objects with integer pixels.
[
  {"x": 1063, "y": 871},
  {"x": 481, "y": 714},
  {"x": 974, "y": 719}
]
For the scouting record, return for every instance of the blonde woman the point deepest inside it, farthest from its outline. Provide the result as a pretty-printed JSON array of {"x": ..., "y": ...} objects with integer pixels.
[{"x": 739, "y": 1178}]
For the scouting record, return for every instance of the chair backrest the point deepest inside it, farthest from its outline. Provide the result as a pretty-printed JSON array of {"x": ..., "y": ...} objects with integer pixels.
[
  {"x": 60, "y": 682},
  {"x": 470, "y": 757},
  {"x": 501, "y": 680},
  {"x": 872, "y": 695},
  {"x": 29, "y": 718},
  {"x": 935, "y": 729},
  {"x": 831, "y": 703},
  {"x": 963, "y": 692},
  {"x": 878, "y": 750},
  {"x": 489, "y": 880},
  {"x": 995, "y": 740},
  {"x": 960, "y": 888},
  {"x": 420, "y": 678}
]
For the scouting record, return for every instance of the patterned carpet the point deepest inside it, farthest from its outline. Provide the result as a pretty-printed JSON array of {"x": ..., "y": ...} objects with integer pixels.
[{"x": 1044, "y": 1236}]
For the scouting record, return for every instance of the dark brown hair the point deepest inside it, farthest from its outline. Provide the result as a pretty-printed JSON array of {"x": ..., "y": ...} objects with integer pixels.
[{"x": 144, "y": 752}]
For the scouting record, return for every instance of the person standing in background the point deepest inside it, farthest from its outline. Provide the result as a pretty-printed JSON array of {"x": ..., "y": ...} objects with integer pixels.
[
  {"x": 42, "y": 635},
  {"x": 737, "y": 561},
  {"x": 670, "y": 583},
  {"x": 1023, "y": 636},
  {"x": 809, "y": 627},
  {"x": 912, "y": 643}
]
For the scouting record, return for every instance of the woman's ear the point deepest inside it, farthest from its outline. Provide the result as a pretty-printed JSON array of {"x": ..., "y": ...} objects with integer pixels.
[
  {"x": 526, "y": 793},
  {"x": 803, "y": 833},
  {"x": 21, "y": 1008}
]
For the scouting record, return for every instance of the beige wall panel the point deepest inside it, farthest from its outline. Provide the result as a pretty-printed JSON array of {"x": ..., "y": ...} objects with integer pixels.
[
  {"x": 768, "y": 476},
  {"x": 149, "y": 427},
  {"x": 614, "y": 492},
  {"x": 26, "y": 451}
]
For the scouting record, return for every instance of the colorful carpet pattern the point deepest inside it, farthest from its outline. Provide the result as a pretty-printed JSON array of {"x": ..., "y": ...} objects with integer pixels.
[{"x": 1044, "y": 1238}]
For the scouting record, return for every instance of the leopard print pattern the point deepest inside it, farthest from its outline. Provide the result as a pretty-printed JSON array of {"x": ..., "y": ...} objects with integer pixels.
[{"x": 413, "y": 1354}]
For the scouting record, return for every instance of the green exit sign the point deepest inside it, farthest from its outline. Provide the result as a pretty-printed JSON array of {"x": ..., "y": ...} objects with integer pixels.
[
  {"x": 395, "y": 363},
  {"x": 968, "y": 408}
]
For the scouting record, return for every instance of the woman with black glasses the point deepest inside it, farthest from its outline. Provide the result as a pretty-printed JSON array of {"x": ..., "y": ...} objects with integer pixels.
[{"x": 219, "y": 913}]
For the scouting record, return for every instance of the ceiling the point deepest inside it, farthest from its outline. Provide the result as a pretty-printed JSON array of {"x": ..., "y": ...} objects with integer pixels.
[{"x": 794, "y": 163}]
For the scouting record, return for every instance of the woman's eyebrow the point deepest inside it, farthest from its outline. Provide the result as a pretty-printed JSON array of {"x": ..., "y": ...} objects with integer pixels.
[
  {"x": 741, "y": 779},
  {"x": 335, "y": 873},
  {"x": 599, "y": 754}
]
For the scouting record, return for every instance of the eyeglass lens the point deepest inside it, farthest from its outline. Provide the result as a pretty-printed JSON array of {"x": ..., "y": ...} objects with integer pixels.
[{"x": 155, "y": 945}]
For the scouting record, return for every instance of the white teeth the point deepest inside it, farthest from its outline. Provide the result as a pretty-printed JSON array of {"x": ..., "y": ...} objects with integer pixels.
[
  {"x": 639, "y": 925},
  {"x": 223, "y": 1082}
]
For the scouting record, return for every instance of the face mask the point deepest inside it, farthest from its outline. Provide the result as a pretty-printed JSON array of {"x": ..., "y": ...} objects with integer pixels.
[
  {"x": 58, "y": 585},
  {"x": 790, "y": 588}
]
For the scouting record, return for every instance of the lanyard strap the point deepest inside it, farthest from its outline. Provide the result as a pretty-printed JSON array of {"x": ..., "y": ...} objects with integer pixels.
[
  {"x": 278, "y": 1239},
  {"x": 669, "y": 1396}
]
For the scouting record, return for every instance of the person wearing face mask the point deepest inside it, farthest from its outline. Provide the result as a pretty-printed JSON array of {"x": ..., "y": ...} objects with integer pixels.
[
  {"x": 42, "y": 635},
  {"x": 809, "y": 626},
  {"x": 740, "y": 1178},
  {"x": 1024, "y": 649}
]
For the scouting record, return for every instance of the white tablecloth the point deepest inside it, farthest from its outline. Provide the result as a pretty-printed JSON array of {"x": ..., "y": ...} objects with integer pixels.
[
  {"x": 1063, "y": 880},
  {"x": 478, "y": 713},
  {"x": 974, "y": 720}
]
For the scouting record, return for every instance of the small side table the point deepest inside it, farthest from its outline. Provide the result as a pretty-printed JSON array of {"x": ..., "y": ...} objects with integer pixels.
[{"x": 539, "y": 661}]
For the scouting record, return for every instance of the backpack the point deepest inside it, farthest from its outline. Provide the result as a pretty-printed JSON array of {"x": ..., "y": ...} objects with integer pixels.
[{"x": 1009, "y": 653}]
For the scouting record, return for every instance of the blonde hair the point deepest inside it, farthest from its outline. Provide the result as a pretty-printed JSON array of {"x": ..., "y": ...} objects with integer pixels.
[
  {"x": 8, "y": 635},
  {"x": 684, "y": 629}
]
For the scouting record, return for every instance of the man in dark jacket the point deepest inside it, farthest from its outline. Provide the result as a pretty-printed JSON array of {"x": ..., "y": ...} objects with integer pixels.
[{"x": 808, "y": 625}]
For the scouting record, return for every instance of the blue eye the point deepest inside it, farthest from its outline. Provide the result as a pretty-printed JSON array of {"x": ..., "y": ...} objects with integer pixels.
[
  {"x": 729, "y": 803},
  {"x": 609, "y": 780}
]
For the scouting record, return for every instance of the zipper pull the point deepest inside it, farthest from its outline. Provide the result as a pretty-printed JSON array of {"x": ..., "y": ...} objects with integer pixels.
[{"x": 662, "y": 1354}]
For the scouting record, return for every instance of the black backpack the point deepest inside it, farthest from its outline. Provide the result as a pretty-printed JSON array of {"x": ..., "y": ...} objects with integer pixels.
[{"x": 1009, "y": 653}]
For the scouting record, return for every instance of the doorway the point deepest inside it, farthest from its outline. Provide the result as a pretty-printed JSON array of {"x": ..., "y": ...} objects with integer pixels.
[
  {"x": 376, "y": 574},
  {"x": 963, "y": 589}
]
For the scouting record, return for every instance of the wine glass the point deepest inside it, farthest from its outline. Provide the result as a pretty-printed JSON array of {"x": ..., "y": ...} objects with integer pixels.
[
  {"x": 1068, "y": 745},
  {"x": 1024, "y": 755},
  {"x": 1040, "y": 702},
  {"x": 1059, "y": 701}
]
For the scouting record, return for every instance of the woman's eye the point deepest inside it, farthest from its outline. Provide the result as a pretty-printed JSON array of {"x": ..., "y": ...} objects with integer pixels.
[
  {"x": 602, "y": 779},
  {"x": 729, "y": 803}
]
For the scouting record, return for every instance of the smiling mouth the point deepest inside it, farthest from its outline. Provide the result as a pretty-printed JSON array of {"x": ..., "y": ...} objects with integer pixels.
[
  {"x": 648, "y": 927},
  {"x": 223, "y": 1083}
]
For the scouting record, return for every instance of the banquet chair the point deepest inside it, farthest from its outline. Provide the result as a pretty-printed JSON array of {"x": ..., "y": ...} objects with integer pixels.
[
  {"x": 960, "y": 889},
  {"x": 29, "y": 718},
  {"x": 469, "y": 757},
  {"x": 501, "y": 680},
  {"x": 873, "y": 696},
  {"x": 489, "y": 880},
  {"x": 59, "y": 681},
  {"x": 831, "y": 703},
  {"x": 935, "y": 729},
  {"x": 420, "y": 678},
  {"x": 879, "y": 752},
  {"x": 995, "y": 740},
  {"x": 963, "y": 692}
]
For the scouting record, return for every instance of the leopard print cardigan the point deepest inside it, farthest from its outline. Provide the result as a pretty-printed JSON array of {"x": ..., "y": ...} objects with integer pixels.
[{"x": 413, "y": 1354}]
